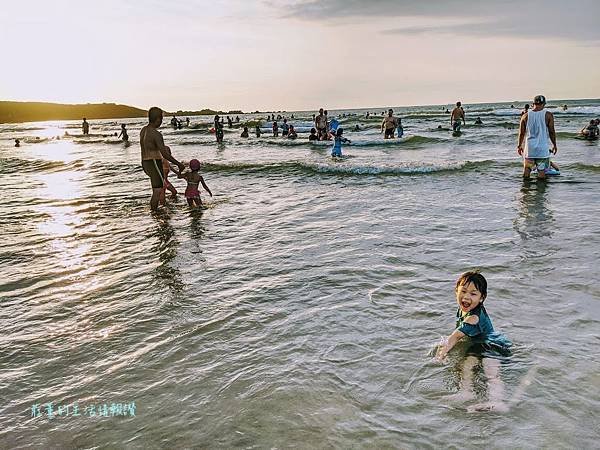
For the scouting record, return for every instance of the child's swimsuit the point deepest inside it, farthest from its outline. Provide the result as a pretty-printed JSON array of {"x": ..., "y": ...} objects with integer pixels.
[
  {"x": 191, "y": 191},
  {"x": 337, "y": 147},
  {"x": 484, "y": 339}
]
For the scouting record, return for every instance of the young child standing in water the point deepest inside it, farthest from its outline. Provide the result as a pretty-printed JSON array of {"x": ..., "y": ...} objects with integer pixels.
[
  {"x": 193, "y": 178},
  {"x": 486, "y": 344},
  {"x": 336, "y": 151}
]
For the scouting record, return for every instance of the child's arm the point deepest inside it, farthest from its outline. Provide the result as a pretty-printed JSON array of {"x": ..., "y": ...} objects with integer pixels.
[
  {"x": 450, "y": 343},
  {"x": 205, "y": 186},
  {"x": 456, "y": 336}
]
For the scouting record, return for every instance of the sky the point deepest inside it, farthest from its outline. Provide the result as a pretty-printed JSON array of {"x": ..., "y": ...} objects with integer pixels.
[{"x": 298, "y": 54}]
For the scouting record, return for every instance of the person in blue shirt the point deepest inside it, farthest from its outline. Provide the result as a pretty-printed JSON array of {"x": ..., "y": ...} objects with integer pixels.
[
  {"x": 336, "y": 151},
  {"x": 473, "y": 321}
]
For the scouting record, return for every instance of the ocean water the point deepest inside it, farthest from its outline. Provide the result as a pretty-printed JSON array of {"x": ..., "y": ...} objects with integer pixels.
[{"x": 300, "y": 308}]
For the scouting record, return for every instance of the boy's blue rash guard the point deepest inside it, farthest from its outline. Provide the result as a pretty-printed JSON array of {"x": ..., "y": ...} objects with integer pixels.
[{"x": 483, "y": 333}]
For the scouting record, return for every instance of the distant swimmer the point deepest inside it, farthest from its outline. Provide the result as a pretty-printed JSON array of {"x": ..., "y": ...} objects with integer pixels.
[
  {"x": 535, "y": 129},
  {"x": 244, "y": 133},
  {"x": 356, "y": 127},
  {"x": 194, "y": 179},
  {"x": 237, "y": 119},
  {"x": 292, "y": 133},
  {"x": 125, "y": 136},
  {"x": 17, "y": 143},
  {"x": 153, "y": 150},
  {"x": 389, "y": 124},
  {"x": 313, "y": 135},
  {"x": 336, "y": 151},
  {"x": 590, "y": 131},
  {"x": 275, "y": 129},
  {"x": 187, "y": 121},
  {"x": 525, "y": 109},
  {"x": 447, "y": 111},
  {"x": 174, "y": 122},
  {"x": 85, "y": 126},
  {"x": 457, "y": 114},
  {"x": 367, "y": 115},
  {"x": 229, "y": 122},
  {"x": 321, "y": 125},
  {"x": 565, "y": 107},
  {"x": 478, "y": 121},
  {"x": 257, "y": 130},
  {"x": 218, "y": 129},
  {"x": 285, "y": 128},
  {"x": 292, "y": 116}
]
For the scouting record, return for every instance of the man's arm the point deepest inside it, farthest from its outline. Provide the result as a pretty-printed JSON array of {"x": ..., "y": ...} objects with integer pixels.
[
  {"x": 522, "y": 128},
  {"x": 551, "y": 130},
  {"x": 462, "y": 114},
  {"x": 165, "y": 151}
]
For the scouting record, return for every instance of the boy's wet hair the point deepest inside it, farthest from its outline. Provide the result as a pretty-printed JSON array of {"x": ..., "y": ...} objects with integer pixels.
[
  {"x": 154, "y": 114},
  {"x": 478, "y": 280}
]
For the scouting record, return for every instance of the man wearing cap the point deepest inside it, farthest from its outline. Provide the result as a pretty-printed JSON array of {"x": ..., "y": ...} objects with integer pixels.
[
  {"x": 153, "y": 151},
  {"x": 389, "y": 124},
  {"x": 537, "y": 125}
]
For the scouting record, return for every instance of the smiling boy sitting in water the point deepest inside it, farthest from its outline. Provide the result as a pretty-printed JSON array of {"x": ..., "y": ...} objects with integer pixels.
[{"x": 485, "y": 343}]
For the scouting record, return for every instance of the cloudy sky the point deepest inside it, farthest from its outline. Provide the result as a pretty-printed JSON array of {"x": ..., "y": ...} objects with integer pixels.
[{"x": 298, "y": 54}]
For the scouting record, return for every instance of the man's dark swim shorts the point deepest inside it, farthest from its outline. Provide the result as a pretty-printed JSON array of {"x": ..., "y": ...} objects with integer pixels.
[
  {"x": 389, "y": 133},
  {"x": 153, "y": 168}
]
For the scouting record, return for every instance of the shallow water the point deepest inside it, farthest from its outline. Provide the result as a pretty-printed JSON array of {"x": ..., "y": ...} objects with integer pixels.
[{"x": 299, "y": 309}]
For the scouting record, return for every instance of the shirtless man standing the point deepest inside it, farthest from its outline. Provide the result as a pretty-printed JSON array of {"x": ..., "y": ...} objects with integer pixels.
[
  {"x": 153, "y": 151},
  {"x": 457, "y": 114},
  {"x": 389, "y": 125},
  {"x": 321, "y": 125}
]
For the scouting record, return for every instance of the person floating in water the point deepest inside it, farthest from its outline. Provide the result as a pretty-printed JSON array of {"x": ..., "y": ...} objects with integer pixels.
[
  {"x": 17, "y": 143},
  {"x": 85, "y": 127},
  {"x": 257, "y": 130},
  {"x": 457, "y": 114},
  {"x": 313, "y": 135},
  {"x": 484, "y": 343},
  {"x": 478, "y": 121},
  {"x": 535, "y": 129},
  {"x": 336, "y": 151},
  {"x": 194, "y": 179},
  {"x": 125, "y": 136},
  {"x": 292, "y": 133},
  {"x": 244, "y": 133},
  {"x": 388, "y": 125},
  {"x": 218, "y": 129},
  {"x": 590, "y": 131}
]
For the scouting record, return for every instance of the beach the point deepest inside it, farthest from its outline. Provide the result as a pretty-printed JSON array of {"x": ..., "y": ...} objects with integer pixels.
[{"x": 299, "y": 309}]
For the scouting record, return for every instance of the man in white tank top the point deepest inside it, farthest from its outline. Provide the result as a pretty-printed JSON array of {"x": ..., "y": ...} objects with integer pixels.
[{"x": 537, "y": 125}]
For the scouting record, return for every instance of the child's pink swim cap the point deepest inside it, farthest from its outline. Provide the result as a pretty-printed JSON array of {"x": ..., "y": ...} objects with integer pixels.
[{"x": 194, "y": 164}]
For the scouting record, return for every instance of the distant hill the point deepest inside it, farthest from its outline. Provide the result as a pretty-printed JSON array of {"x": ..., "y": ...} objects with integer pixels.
[
  {"x": 11, "y": 112},
  {"x": 39, "y": 111}
]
